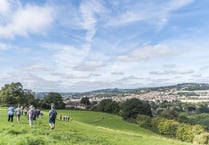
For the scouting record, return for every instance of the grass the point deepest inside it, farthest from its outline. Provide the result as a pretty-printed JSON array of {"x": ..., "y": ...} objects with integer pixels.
[{"x": 86, "y": 128}]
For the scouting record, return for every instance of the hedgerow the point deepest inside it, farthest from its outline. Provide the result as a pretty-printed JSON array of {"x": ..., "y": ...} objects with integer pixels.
[{"x": 175, "y": 129}]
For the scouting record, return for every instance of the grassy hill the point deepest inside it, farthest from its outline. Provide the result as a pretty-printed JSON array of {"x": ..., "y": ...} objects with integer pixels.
[{"x": 86, "y": 128}]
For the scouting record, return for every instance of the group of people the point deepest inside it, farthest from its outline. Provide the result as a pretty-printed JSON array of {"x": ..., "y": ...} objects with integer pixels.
[
  {"x": 12, "y": 111},
  {"x": 31, "y": 114}
]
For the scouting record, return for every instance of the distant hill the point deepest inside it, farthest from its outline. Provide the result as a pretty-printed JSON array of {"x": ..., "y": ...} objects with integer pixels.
[
  {"x": 183, "y": 86},
  {"x": 115, "y": 91},
  {"x": 111, "y": 91},
  {"x": 192, "y": 86}
]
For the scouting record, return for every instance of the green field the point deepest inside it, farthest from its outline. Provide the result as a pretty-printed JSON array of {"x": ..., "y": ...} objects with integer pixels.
[{"x": 86, "y": 128}]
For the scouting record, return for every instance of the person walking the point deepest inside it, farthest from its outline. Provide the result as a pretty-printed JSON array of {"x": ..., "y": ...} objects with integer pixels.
[
  {"x": 10, "y": 113},
  {"x": 52, "y": 117},
  {"x": 30, "y": 115},
  {"x": 18, "y": 111}
]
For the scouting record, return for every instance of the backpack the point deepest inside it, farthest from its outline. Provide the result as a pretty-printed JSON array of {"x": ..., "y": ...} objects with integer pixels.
[
  {"x": 31, "y": 113},
  {"x": 18, "y": 111},
  {"x": 53, "y": 114}
]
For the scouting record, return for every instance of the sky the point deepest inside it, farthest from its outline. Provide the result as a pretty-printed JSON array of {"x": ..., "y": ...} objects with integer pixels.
[{"x": 84, "y": 45}]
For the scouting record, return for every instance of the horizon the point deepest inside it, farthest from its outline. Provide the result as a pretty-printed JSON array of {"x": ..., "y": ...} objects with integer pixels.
[
  {"x": 79, "y": 45},
  {"x": 125, "y": 88}
]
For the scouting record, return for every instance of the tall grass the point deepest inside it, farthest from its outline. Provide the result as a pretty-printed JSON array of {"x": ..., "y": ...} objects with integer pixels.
[{"x": 86, "y": 128}]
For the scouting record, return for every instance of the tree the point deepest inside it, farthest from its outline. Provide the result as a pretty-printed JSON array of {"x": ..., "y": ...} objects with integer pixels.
[
  {"x": 132, "y": 107},
  {"x": 203, "y": 108},
  {"x": 29, "y": 98},
  {"x": 55, "y": 99},
  {"x": 85, "y": 101},
  {"x": 109, "y": 106},
  {"x": 13, "y": 94},
  {"x": 169, "y": 114}
]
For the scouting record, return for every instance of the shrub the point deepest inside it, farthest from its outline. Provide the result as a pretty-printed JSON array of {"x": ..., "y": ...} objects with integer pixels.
[
  {"x": 144, "y": 121},
  {"x": 131, "y": 120},
  {"x": 174, "y": 129},
  {"x": 169, "y": 114},
  {"x": 202, "y": 138},
  {"x": 183, "y": 118},
  {"x": 184, "y": 133},
  {"x": 155, "y": 123},
  {"x": 168, "y": 128},
  {"x": 164, "y": 126},
  {"x": 187, "y": 132},
  {"x": 197, "y": 129}
]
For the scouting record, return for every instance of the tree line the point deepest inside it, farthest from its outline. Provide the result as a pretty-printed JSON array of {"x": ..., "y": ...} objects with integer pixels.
[
  {"x": 128, "y": 109},
  {"x": 15, "y": 94}
]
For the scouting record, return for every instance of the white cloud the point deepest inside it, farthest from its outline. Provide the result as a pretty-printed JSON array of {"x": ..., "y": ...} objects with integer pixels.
[
  {"x": 147, "y": 52},
  {"x": 31, "y": 81},
  {"x": 4, "y": 6},
  {"x": 65, "y": 57},
  {"x": 89, "y": 66},
  {"x": 126, "y": 18},
  {"x": 4, "y": 46},
  {"x": 197, "y": 75},
  {"x": 117, "y": 73},
  {"x": 131, "y": 79},
  {"x": 91, "y": 85},
  {"x": 26, "y": 20},
  {"x": 71, "y": 59},
  {"x": 176, "y": 4},
  {"x": 36, "y": 67},
  {"x": 153, "y": 12},
  {"x": 206, "y": 67},
  {"x": 37, "y": 83},
  {"x": 89, "y": 11},
  {"x": 172, "y": 72},
  {"x": 168, "y": 65}
]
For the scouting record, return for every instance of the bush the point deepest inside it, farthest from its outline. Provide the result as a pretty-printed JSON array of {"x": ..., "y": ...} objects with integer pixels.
[
  {"x": 202, "y": 138},
  {"x": 131, "y": 120},
  {"x": 155, "y": 123},
  {"x": 184, "y": 133},
  {"x": 169, "y": 114},
  {"x": 174, "y": 129},
  {"x": 168, "y": 128},
  {"x": 164, "y": 126},
  {"x": 183, "y": 118},
  {"x": 144, "y": 121},
  {"x": 187, "y": 132}
]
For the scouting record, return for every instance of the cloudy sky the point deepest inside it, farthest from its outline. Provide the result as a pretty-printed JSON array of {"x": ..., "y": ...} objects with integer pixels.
[{"x": 83, "y": 45}]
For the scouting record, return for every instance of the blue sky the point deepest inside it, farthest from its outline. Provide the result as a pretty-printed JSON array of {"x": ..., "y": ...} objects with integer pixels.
[{"x": 82, "y": 45}]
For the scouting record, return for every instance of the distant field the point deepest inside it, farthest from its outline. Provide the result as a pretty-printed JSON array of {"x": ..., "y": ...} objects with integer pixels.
[{"x": 86, "y": 128}]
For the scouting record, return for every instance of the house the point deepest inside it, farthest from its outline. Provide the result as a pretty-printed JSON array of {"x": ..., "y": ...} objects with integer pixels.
[{"x": 74, "y": 105}]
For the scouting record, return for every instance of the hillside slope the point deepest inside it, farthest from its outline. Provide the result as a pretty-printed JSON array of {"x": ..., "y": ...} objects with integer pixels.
[{"x": 86, "y": 128}]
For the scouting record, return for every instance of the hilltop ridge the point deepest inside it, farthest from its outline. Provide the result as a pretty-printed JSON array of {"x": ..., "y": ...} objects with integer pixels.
[{"x": 111, "y": 92}]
